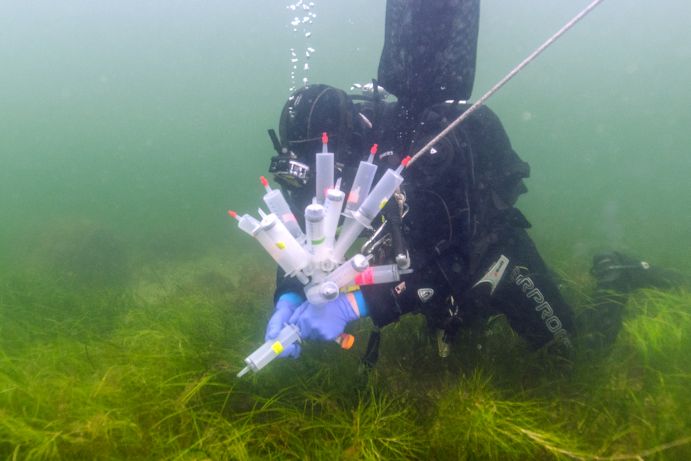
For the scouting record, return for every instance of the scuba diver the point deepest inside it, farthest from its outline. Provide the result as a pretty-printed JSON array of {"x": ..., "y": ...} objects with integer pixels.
[{"x": 454, "y": 222}]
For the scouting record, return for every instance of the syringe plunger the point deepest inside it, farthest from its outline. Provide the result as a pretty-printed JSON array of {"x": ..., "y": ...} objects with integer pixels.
[
  {"x": 332, "y": 208},
  {"x": 314, "y": 225}
]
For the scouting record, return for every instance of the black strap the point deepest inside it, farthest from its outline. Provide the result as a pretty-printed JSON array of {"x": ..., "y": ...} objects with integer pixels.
[
  {"x": 371, "y": 355},
  {"x": 274, "y": 140}
]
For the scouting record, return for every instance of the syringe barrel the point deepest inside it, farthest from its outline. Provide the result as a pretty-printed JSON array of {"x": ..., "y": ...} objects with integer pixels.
[
  {"x": 361, "y": 186},
  {"x": 378, "y": 274},
  {"x": 346, "y": 272},
  {"x": 292, "y": 256},
  {"x": 314, "y": 227},
  {"x": 325, "y": 175},
  {"x": 350, "y": 231},
  {"x": 381, "y": 193},
  {"x": 248, "y": 224},
  {"x": 277, "y": 204},
  {"x": 272, "y": 348},
  {"x": 332, "y": 208},
  {"x": 271, "y": 248}
]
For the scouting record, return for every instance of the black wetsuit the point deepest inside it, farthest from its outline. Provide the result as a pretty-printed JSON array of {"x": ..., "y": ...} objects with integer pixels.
[
  {"x": 461, "y": 197},
  {"x": 461, "y": 221}
]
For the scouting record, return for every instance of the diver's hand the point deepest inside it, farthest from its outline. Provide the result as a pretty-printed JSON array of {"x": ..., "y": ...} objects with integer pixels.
[
  {"x": 328, "y": 321},
  {"x": 285, "y": 307}
]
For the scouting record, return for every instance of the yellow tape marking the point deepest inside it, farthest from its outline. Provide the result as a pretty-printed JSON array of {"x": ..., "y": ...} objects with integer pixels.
[
  {"x": 277, "y": 347},
  {"x": 281, "y": 245},
  {"x": 383, "y": 203}
]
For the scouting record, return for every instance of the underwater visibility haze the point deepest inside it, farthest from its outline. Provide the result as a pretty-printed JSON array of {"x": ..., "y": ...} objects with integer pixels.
[{"x": 129, "y": 298}]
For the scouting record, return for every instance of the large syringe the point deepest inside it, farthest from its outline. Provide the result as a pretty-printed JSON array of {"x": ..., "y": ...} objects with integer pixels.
[
  {"x": 289, "y": 335},
  {"x": 316, "y": 257},
  {"x": 361, "y": 218}
]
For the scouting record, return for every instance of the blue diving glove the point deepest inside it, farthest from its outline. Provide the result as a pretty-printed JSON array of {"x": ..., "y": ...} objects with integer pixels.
[
  {"x": 285, "y": 307},
  {"x": 328, "y": 321}
]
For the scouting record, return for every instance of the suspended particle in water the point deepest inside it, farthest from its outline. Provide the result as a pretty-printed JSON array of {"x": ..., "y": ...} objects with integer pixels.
[
  {"x": 295, "y": 22},
  {"x": 307, "y": 54},
  {"x": 310, "y": 49},
  {"x": 294, "y": 60},
  {"x": 308, "y": 34},
  {"x": 305, "y": 80},
  {"x": 307, "y": 67}
]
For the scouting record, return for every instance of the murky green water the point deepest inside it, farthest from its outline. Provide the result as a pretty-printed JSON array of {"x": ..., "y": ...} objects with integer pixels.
[{"x": 127, "y": 129}]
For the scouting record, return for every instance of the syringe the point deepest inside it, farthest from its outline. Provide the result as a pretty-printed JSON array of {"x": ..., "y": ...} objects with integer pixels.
[
  {"x": 333, "y": 205},
  {"x": 314, "y": 228},
  {"x": 325, "y": 170},
  {"x": 272, "y": 234},
  {"x": 369, "y": 209},
  {"x": 362, "y": 183},
  {"x": 272, "y": 348},
  {"x": 380, "y": 274},
  {"x": 277, "y": 204}
]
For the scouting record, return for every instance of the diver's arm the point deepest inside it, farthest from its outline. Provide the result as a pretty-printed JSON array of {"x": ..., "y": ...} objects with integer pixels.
[
  {"x": 286, "y": 285},
  {"x": 386, "y": 303}
]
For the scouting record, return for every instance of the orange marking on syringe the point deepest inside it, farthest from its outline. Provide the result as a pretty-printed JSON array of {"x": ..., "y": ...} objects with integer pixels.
[
  {"x": 265, "y": 183},
  {"x": 233, "y": 214},
  {"x": 372, "y": 153},
  {"x": 325, "y": 142},
  {"x": 404, "y": 163},
  {"x": 354, "y": 195}
]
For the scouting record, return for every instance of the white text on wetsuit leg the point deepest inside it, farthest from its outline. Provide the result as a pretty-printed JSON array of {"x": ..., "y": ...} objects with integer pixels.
[{"x": 552, "y": 321}]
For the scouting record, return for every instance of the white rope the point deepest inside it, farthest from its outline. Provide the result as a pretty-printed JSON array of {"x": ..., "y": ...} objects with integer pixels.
[{"x": 504, "y": 80}]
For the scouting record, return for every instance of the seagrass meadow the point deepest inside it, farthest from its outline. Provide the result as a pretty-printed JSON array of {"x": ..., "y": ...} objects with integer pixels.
[{"x": 129, "y": 299}]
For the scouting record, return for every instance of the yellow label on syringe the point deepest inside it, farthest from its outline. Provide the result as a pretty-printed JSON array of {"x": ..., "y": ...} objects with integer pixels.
[
  {"x": 281, "y": 245},
  {"x": 277, "y": 347},
  {"x": 383, "y": 203}
]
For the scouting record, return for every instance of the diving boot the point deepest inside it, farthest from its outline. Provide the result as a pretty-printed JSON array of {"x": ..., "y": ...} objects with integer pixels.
[{"x": 615, "y": 271}]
